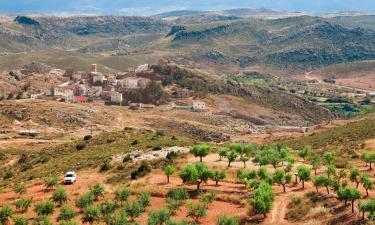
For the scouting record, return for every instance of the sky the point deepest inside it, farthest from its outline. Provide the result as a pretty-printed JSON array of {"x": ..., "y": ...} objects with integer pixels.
[{"x": 151, "y": 7}]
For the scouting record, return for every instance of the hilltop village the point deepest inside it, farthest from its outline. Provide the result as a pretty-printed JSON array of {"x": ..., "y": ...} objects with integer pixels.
[{"x": 136, "y": 88}]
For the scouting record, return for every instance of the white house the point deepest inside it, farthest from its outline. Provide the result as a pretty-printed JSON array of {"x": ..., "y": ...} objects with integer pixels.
[
  {"x": 131, "y": 82},
  {"x": 116, "y": 97},
  {"x": 199, "y": 106},
  {"x": 98, "y": 78}
]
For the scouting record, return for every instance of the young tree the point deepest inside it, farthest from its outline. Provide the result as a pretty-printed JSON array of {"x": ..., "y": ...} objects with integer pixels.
[
  {"x": 122, "y": 195},
  {"x": 368, "y": 157},
  {"x": 197, "y": 211},
  {"x": 66, "y": 214},
  {"x": 158, "y": 217},
  {"x": 134, "y": 209},
  {"x": 367, "y": 207},
  {"x": 91, "y": 215},
  {"x": 20, "y": 220},
  {"x": 97, "y": 191},
  {"x": 197, "y": 172},
  {"x": 45, "y": 208},
  {"x": 60, "y": 197},
  {"x": 118, "y": 218},
  {"x": 329, "y": 157},
  {"x": 244, "y": 159},
  {"x": 50, "y": 183},
  {"x": 169, "y": 171},
  {"x": 282, "y": 178},
  {"x": 107, "y": 208},
  {"x": 208, "y": 198},
  {"x": 22, "y": 204},
  {"x": 200, "y": 151},
  {"x": 349, "y": 194},
  {"x": 218, "y": 175},
  {"x": 315, "y": 162},
  {"x": 341, "y": 174},
  {"x": 304, "y": 152},
  {"x": 144, "y": 199},
  {"x": 5, "y": 214},
  {"x": 331, "y": 170},
  {"x": 320, "y": 181},
  {"x": 85, "y": 200},
  {"x": 223, "y": 152},
  {"x": 355, "y": 175},
  {"x": 262, "y": 199},
  {"x": 367, "y": 182},
  {"x": 42, "y": 220},
  {"x": 226, "y": 220},
  {"x": 231, "y": 156},
  {"x": 304, "y": 174}
]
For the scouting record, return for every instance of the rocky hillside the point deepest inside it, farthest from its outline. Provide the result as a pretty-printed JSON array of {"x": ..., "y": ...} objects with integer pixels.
[
  {"x": 32, "y": 33},
  {"x": 293, "y": 42}
]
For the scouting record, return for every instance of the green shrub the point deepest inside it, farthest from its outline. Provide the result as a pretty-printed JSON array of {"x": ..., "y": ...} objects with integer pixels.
[
  {"x": 60, "y": 196},
  {"x": 105, "y": 166},
  {"x": 127, "y": 158},
  {"x": 91, "y": 215},
  {"x": 134, "y": 209},
  {"x": 135, "y": 142},
  {"x": 19, "y": 220},
  {"x": 178, "y": 194},
  {"x": 5, "y": 214},
  {"x": 45, "y": 208},
  {"x": 42, "y": 220},
  {"x": 87, "y": 137},
  {"x": 50, "y": 183},
  {"x": 226, "y": 220},
  {"x": 142, "y": 170},
  {"x": 19, "y": 188},
  {"x": 66, "y": 214},
  {"x": 122, "y": 195},
  {"x": 172, "y": 155},
  {"x": 85, "y": 200},
  {"x": 174, "y": 205},
  {"x": 156, "y": 148},
  {"x": 80, "y": 146},
  {"x": 144, "y": 199},
  {"x": 97, "y": 191},
  {"x": 107, "y": 207},
  {"x": 196, "y": 211},
  {"x": 8, "y": 174},
  {"x": 23, "y": 204},
  {"x": 158, "y": 217}
]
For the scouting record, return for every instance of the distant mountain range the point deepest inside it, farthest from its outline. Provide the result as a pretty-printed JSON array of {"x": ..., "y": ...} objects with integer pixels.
[{"x": 242, "y": 37}]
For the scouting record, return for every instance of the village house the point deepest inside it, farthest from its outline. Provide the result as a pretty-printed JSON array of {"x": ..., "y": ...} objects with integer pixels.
[
  {"x": 81, "y": 90},
  {"x": 199, "y": 106},
  {"x": 116, "y": 97},
  {"x": 65, "y": 92},
  {"x": 182, "y": 93},
  {"x": 95, "y": 91},
  {"x": 76, "y": 77},
  {"x": 80, "y": 99},
  {"x": 98, "y": 78}
]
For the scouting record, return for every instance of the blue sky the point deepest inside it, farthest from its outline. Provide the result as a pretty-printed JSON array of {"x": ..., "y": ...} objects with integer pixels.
[{"x": 149, "y": 7}]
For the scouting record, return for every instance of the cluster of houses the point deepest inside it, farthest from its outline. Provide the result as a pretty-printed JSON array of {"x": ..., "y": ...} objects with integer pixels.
[{"x": 82, "y": 87}]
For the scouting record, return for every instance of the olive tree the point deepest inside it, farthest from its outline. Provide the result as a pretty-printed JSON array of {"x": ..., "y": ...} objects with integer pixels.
[
  {"x": 200, "y": 151},
  {"x": 320, "y": 181},
  {"x": 158, "y": 217},
  {"x": 218, "y": 175},
  {"x": 197, "y": 172},
  {"x": 354, "y": 175},
  {"x": 349, "y": 194},
  {"x": 122, "y": 195},
  {"x": 304, "y": 174},
  {"x": 367, "y": 182},
  {"x": 169, "y": 171},
  {"x": 231, "y": 156},
  {"x": 91, "y": 215},
  {"x": 282, "y": 178},
  {"x": 223, "y": 152},
  {"x": 304, "y": 152},
  {"x": 262, "y": 198}
]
